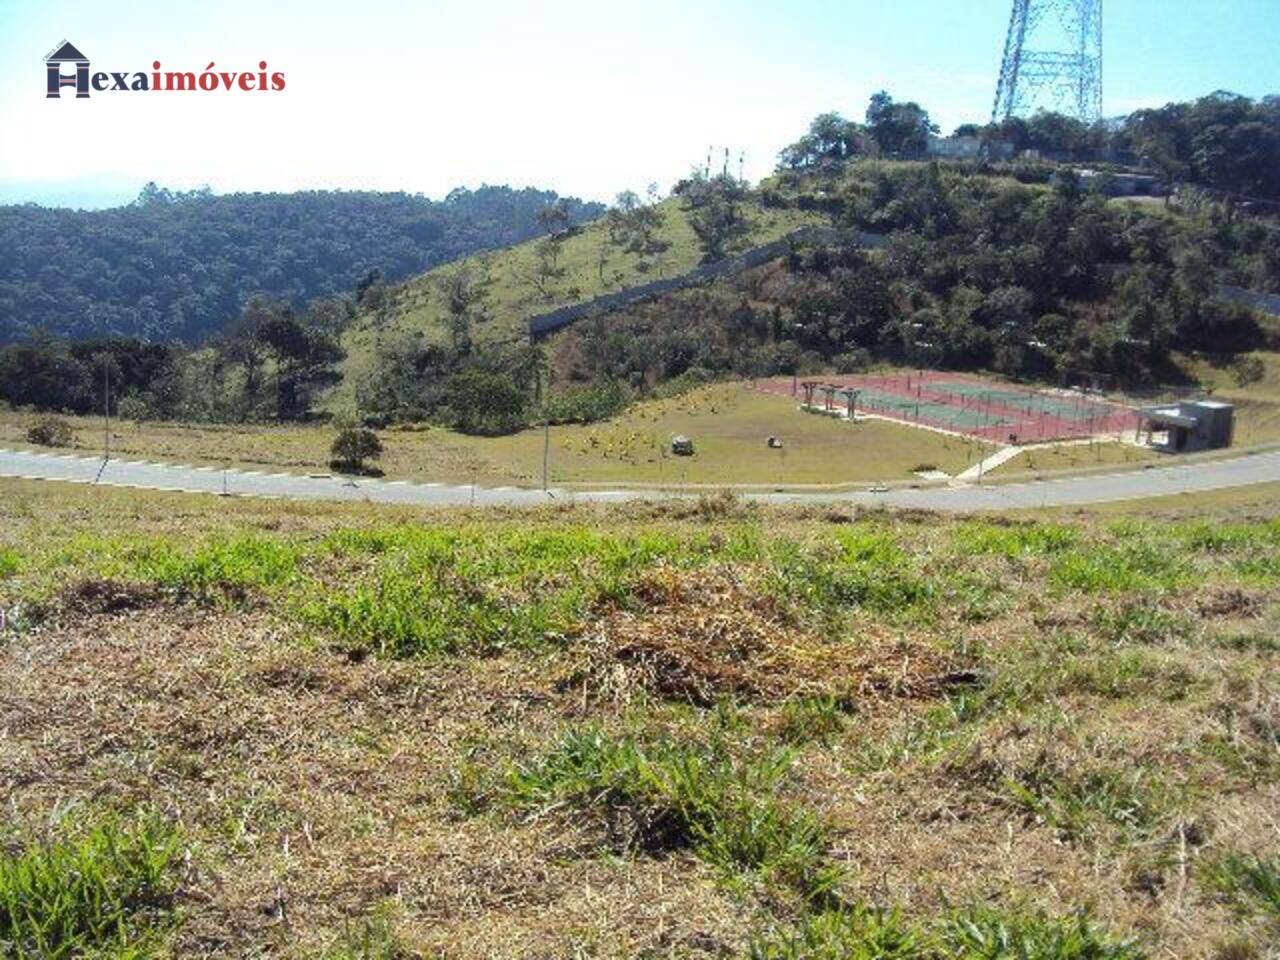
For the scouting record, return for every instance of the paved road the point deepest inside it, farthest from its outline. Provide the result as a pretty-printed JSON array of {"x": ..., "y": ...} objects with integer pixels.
[{"x": 1156, "y": 481}]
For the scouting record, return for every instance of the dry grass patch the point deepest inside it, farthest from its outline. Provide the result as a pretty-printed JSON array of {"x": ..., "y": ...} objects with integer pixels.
[{"x": 707, "y": 635}]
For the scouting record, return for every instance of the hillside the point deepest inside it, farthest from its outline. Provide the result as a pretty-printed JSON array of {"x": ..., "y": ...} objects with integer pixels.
[
  {"x": 512, "y": 284},
  {"x": 702, "y": 730},
  {"x": 979, "y": 271},
  {"x": 181, "y": 265}
]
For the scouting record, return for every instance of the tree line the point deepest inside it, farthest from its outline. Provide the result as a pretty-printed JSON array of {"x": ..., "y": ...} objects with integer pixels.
[
  {"x": 181, "y": 265},
  {"x": 1223, "y": 141}
]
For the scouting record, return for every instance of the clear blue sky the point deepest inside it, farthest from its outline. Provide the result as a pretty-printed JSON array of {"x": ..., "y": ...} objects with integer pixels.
[{"x": 584, "y": 96}]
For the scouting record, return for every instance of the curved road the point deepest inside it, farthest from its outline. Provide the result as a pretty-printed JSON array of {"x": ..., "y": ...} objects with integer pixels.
[{"x": 1153, "y": 482}]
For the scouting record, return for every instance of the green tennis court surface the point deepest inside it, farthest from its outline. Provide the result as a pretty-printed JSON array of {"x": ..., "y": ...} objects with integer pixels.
[
  {"x": 1061, "y": 407},
  {"x": 941, "y": 413}
]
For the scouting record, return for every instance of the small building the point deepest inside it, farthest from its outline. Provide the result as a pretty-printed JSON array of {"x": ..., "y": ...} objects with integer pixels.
[
  {"x": 963, "y": 148},
  {"x": 1188, "y": 426},
  {"x": 969, "y": 148}
]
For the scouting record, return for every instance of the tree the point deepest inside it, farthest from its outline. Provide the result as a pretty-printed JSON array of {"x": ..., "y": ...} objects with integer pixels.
[
  {"x": 714, "y": 207},
  {"x": 479, "y": 401},
  {"x": 464, "y": 293},
  {"x": 554, "y": 218},
  {"x": 304, "y": 360},
  {"x": 831, "y": 140},
  {"x": 635, "y": 227},
  {"x": 353, "y": 446},
  {"x": 900, "y": 129}
]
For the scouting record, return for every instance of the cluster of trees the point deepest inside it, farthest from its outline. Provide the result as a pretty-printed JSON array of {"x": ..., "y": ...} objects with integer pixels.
[
  {"x": 182, "y": 265},
  {"x": 976, "y": 274},
  {"x": 716, "y": 209},
  {"x": 271, "y": 364},
  {"x": 1223, "y": 141},
  {"x": 892, "y": 129}
]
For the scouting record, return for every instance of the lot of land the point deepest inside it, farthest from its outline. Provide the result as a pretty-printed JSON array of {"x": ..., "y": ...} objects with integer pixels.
[
  {"x": 703, "y": 729},
  {"x": 1075, "y": 457},
  {"x": 729, "y": 424}
]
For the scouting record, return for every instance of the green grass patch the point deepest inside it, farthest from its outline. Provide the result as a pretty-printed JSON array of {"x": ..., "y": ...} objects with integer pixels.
[
  {"x": 1138, "y": 564},
  {"x": 816, "y": 719},
  {"x": 1251, "y": 884},
  {"x": 863, "y": 933},
  {"x": 663, "y": 795},
  {"x": 107, "y": 893},
  {"x": 989, "y": 539},
  {"x": 1139, "y": 621},
  {"x": 1076, "y": 803},
  {"x": 865, "y": 568}
]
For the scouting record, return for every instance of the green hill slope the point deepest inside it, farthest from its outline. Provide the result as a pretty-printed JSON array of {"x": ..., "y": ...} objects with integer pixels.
[{"x": 515, "y": 286}]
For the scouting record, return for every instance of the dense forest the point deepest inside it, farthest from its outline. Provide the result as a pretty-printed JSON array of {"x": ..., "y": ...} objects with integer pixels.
[{"x": 182, "y": 265}]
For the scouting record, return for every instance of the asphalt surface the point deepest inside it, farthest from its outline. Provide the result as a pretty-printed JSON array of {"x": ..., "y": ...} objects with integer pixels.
[{"x": 1172, "y": 478}]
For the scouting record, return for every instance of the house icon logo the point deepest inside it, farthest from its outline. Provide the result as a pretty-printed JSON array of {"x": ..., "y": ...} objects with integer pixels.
[{"x": 68, "y": 54}]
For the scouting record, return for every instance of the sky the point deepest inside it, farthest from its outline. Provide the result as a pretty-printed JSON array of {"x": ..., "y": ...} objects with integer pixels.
[{"x": 585, "y": 97}]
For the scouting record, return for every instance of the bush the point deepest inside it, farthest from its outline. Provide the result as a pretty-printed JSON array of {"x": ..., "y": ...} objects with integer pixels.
[
  {"x": 587, "y": 404},
  {"x": 854, "y": 361},
  {"x": 485, "y": 404},
  {"x": 134, "y": 408},
  {"x": 1249, "y": 370},
  {"x": 353, "y": 446},
  {"x": 51, "y": 432}
]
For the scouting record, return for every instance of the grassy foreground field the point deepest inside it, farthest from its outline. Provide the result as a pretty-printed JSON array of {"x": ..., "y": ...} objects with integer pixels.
[
  {"x": 249, "y": 729},
  {"x": 729, "y": 424}
]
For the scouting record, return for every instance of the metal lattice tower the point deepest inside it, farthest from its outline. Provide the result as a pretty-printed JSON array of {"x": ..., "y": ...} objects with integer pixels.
[{"x": 1052, "y": 60}]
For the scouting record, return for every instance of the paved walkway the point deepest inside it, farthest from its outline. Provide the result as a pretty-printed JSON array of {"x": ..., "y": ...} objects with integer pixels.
[{"x": 1171, "y": 478}]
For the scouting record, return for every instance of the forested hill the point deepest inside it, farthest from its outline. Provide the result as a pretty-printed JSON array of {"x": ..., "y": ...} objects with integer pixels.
[{"x": 181, "y": 265}]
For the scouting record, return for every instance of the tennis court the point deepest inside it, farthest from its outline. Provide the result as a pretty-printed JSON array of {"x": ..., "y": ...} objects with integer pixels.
[{"x": 972, "y": 406}]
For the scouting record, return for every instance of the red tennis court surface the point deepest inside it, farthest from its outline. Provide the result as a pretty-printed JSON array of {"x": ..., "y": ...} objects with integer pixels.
[{"x": 986, "y": 409}]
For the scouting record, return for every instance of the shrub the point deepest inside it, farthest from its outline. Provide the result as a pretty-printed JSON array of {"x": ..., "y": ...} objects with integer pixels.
[
  {"x": 51, "y": 432},
  {"x": 483, "y": 403},
  {"x": 133, "y": 407},
  {"x": 1249, "y": 370},
  {"x": 587, "y": 404},
  {"x": 353, "y": 446}
]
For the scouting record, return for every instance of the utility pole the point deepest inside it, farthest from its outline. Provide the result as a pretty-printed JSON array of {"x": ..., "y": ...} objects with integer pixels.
[
  {"x": 546, "y": 445},
  {"x": 106, "y": 408}
]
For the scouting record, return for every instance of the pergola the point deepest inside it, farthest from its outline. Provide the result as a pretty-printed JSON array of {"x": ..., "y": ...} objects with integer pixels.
[{"x": 850, "y": 398}]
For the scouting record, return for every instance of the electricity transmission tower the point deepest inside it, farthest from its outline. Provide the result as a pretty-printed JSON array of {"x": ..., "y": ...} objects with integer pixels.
[{"x": 1052, "y": 60}]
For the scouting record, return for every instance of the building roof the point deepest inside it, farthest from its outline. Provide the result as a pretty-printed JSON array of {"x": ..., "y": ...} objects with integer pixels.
[
  {"x": 64, "y": 53},
  {"x": 1169, "y": 415}
]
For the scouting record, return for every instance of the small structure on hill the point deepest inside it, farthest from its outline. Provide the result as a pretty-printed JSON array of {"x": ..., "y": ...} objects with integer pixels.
[
  {"x": 682, "y": 446},
  {"x": 1188, "y": 425},
  {"x": 1124, "y": 184}
]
